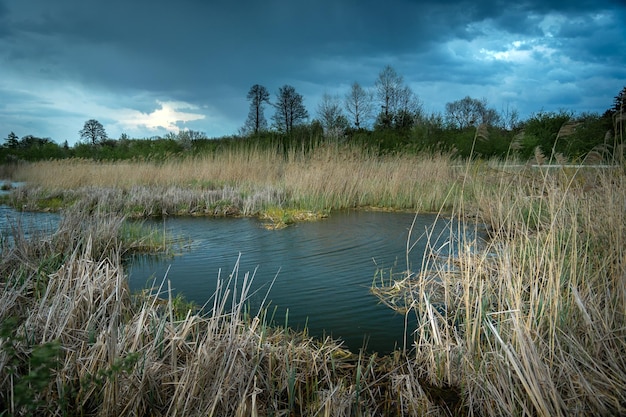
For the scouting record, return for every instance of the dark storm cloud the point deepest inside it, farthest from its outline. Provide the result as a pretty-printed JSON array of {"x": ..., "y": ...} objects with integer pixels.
[
  {"x": 171, "y": 42},
  {"x": 121, "y": 57},
  {"x": 4, "y": 11},
  {"x": 582, "y": 40},
  {"x": 177, "y": 34}
]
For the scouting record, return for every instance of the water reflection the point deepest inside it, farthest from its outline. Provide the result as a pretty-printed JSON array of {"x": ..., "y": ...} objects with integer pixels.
[
  {"x": 31, "y": 223},
  {"x": 325, "y": 268}
]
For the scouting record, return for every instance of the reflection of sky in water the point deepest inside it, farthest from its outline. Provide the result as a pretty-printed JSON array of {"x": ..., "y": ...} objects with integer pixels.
[
  {"x": 29, "y": 222},
  {"x": 323, "y": 270}
]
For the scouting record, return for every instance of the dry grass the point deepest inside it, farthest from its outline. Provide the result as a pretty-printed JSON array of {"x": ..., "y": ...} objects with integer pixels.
[
  {"x": 534, "y": 321},
  {"x": 245, "y": 182},
  {"x": 120, "y": 355},
  {"x": 531, "y": 322}
]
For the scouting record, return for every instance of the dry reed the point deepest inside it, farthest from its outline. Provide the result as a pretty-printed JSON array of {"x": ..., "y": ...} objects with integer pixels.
[
  {"x": 243, "y": 182},
  {"x": 531, "y": 322}
]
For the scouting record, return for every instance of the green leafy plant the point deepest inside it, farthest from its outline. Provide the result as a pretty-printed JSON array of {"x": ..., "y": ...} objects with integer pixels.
[{"x": 31, "y": 369}]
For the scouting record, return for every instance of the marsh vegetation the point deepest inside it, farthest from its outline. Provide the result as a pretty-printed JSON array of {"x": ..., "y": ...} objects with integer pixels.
[
  {"x": 533, "y": 323},
  {"x": 243, "y": 181}
]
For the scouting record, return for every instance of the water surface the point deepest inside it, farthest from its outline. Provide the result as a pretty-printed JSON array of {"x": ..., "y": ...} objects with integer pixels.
[
  {"x": 323, "y": 269},
  {"x": 31, "y": 223}
]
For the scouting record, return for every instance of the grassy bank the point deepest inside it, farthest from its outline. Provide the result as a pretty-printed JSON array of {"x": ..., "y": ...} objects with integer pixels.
[
  {"x": 532, "y": 322},
  {"x": 242, "y": 182},
  {"x": 535, "y": 322}
]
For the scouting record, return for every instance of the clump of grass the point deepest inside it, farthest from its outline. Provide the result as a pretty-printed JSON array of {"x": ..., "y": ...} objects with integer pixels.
[
  {"x": 533, "y": 322},
  {"x": 277, "y": 218}
]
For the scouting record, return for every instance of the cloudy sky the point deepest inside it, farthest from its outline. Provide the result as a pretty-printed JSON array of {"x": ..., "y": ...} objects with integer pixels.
[{"x": 148, "y": 67}]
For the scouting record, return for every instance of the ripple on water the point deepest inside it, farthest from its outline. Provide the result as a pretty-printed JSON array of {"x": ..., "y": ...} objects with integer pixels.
[{"x": 325, "y": 268}]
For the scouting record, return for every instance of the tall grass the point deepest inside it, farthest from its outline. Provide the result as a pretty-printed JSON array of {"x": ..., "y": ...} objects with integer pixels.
[
  {"x": 533, "y": 321},
  {"x": 244, "y": 181}
]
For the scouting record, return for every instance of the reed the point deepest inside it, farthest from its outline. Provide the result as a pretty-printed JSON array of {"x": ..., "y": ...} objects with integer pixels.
[
  {"x": 243, "y": 181},
  {"x": 531, "y": 321}
]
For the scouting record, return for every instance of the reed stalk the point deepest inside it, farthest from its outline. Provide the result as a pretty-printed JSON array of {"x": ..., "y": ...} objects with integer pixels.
[
  {"x": 241, "y": 182},
  {"x": 528, "y": 321}
]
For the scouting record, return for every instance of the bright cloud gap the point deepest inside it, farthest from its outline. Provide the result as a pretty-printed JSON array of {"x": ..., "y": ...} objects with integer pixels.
[{"x": 166, "y": 117}]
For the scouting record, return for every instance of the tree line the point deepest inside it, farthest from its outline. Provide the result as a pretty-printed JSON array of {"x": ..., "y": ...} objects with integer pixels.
[
  {"x": 390, "y": 117},
  {"x": 400, "y": 107},
  {"x": 387, "y": 117}
]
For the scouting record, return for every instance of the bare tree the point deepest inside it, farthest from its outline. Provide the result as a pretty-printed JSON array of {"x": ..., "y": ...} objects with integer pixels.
[
  {"x": 358, "y": 104},
  {"x": 258, "y": 95},
  {"x": 331, "y": 115},
  {"x": 509, "y": 118},
  {"x": 388, "y": 86},
  {"x": 290, "y": 109},
  {"x": 408, "y": 108},
  {"x": 93, "y": 131},
  {"x": 470, "y": 112},
  {"x": 400, "y": 106}
]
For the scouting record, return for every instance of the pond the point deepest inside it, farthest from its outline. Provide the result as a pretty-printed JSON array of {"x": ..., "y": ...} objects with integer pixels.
[{"x": 321, "y": 271}]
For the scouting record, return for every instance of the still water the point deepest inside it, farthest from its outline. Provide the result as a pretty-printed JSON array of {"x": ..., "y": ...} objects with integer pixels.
[
  {"x": 323, "y": 269},
  {"x": 30, "y": 223}
]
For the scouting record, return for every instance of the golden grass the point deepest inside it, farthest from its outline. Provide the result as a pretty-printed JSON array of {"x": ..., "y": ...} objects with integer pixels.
[
  {"x": 530, "y": 322},
  {"x": 534, "y": 321},
  {"x": 330, "y": 177}
]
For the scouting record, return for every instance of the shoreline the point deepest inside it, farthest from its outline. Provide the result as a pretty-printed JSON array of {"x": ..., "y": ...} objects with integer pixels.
[{"x": 527, "y": 318}]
